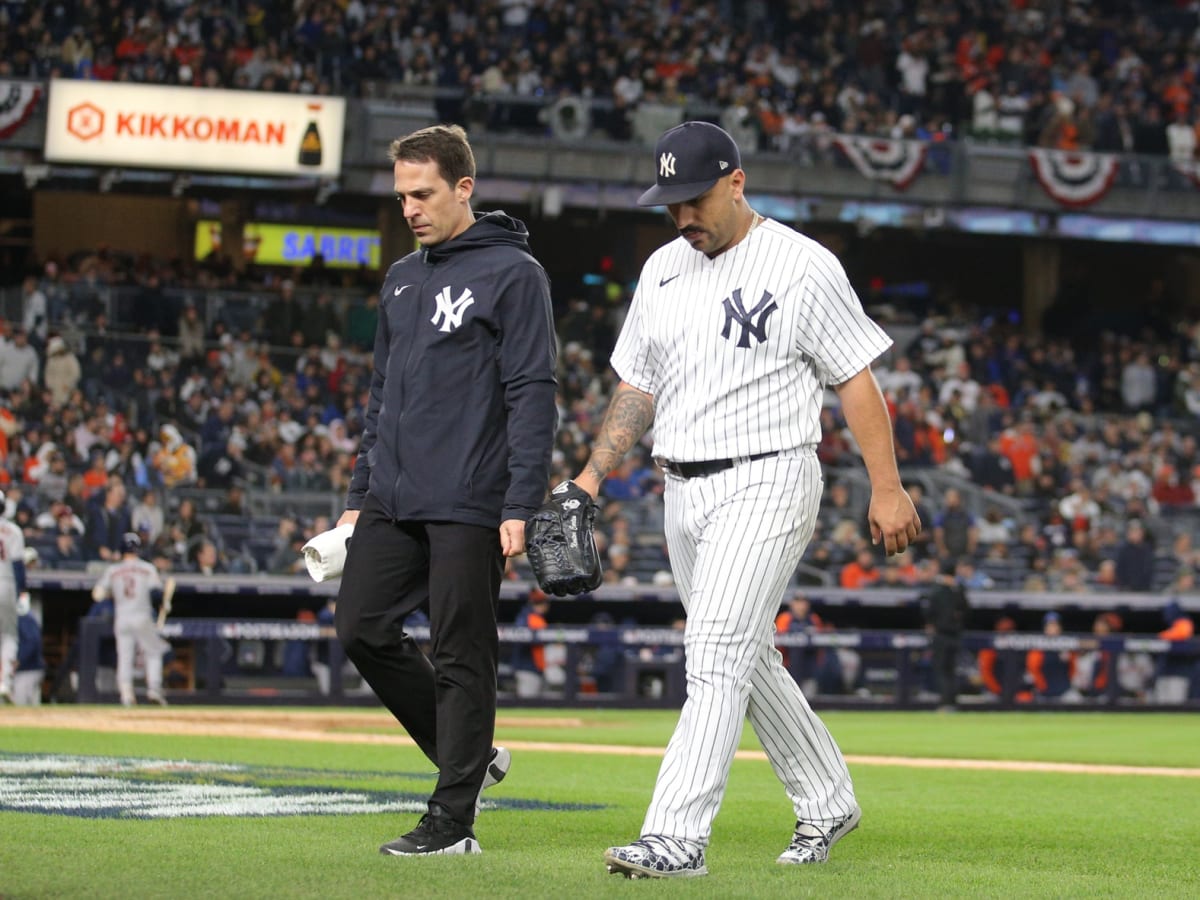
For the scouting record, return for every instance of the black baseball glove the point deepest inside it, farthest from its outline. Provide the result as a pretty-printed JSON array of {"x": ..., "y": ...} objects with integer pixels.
[{"x": 559, "y": 541}]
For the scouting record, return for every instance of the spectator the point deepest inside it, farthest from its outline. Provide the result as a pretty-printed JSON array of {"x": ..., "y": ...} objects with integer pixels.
[
  {"x": 955, "y": 534},
  {"x": 30, "y": 663},
  {"x": 191, "y": 337},
  {"x": 1079, "y": 509},
  {"x": 321, "y": 320},
  {"x": 861, "y": 572},
  {"x": 1135, "y": 559},
  {"x": 529, "y": 660},
  {"x": 361, "y": 323},
  {"x": 147, "y": 517},
  {"x": 997, "y": 666},
  {"x": 35, "y": 311},
  {"x": 62, "y": 372},
  {"x": 1170, "y": 491},
  {"x": 1094, "y": 670},
  {"x": 18, "y": 361},
  {"x": 175, "y": 460},
  {"x": 1175, "y": 672},
  {"x": 920, "y": 546},
  {"x": 1052, "y": 671},
  {"x": 207, "y": 559},
  {"x": 994, "y": 528},
  {"x": 183, "y": 533},
  {"x": 284, "y": 317},
  {"x": 107, "y": 524},
  {"x": 818, "y": 670}
]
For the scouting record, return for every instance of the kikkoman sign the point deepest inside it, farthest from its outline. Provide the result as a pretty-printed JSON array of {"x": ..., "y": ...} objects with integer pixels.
[{"x": 194, "y": 129}]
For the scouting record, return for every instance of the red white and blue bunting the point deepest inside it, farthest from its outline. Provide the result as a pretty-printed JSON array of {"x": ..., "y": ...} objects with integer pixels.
[
  {"x": 18, "y": 99},
  {"x": 1074, "y": 179},
  {"x": 897, "y": 162}
]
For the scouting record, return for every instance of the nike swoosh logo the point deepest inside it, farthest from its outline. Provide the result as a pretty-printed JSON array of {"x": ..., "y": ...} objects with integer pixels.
[
  {"x": 400, "y": 290},
  {"x": 665, "y": 281}
]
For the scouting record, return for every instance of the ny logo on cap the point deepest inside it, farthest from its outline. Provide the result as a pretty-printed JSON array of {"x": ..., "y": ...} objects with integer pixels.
[{"x": 666, "y": 165}]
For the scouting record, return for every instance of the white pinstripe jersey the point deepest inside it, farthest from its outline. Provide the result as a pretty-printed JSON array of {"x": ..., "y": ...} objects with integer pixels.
[
  {"x": 738, "y": 349},
  {"x": 130, "y": 582},
  {"x": 12, "y": 548}
]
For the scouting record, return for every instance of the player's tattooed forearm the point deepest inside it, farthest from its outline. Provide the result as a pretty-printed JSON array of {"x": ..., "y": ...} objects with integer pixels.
[{"x": 630, "y": 413}]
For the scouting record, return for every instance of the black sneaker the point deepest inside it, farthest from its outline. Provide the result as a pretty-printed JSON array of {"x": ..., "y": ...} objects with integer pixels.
[{"x": 435, "y": 835}]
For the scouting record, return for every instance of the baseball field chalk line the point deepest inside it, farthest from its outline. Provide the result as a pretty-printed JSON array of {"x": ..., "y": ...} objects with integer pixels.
[{"x": 336, "y": 728}]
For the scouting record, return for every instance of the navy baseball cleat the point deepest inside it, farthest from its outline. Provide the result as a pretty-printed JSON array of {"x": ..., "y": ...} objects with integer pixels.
[
  {"x": 812, "y": 843},
  {"x": 656, "y": 856},
  {"x": 498, "y": 767},
  {"x": 435, "y": 835}
]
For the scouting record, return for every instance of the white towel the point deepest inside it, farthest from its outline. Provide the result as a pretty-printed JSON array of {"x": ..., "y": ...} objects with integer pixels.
[{"x": 325, "y": 555}]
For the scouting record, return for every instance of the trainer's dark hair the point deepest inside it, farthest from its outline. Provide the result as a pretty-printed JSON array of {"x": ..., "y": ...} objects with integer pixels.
[{"x": 445, "y": 145}]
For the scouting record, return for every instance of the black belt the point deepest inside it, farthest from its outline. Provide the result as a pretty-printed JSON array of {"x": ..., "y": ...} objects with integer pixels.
[{"x": 709, "y": 466}]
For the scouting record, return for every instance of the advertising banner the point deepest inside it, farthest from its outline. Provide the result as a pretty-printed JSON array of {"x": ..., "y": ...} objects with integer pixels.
[
  {"x": 271, "y": 244},
  {"x": 194, "y": 129}
]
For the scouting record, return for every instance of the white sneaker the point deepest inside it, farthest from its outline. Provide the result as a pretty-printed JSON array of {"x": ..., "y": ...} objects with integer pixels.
[
  {"x": 498, "y": 767},
  {"x": 128, "y": 700},
  {"x": 656, "y": 856},
  {"x": 155, "y": 697},
  {"x": 812, "y": 843}
]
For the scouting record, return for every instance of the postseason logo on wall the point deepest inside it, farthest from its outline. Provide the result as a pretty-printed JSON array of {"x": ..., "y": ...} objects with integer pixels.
[{"x": 194, "y": 129}]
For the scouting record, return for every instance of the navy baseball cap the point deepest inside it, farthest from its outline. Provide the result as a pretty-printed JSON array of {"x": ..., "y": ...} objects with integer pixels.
[{"x": 691, "y": 158}]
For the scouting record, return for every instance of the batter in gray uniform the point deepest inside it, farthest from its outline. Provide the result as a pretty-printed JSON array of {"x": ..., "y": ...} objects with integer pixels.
[
  {"x": 134, "y": 584},
  {"x": 736, "y": 328}
]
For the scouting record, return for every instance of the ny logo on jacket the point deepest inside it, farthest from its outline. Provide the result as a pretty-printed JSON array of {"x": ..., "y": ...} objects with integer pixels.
[{"x": 449, "y": 310}]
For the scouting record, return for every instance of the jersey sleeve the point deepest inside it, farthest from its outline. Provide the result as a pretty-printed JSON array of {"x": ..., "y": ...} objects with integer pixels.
[
  {"x": 633, "y": 357},
  {"x": 837, "y": 334}
]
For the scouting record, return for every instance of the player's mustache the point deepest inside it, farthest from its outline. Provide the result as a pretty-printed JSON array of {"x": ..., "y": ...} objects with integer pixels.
[{"x": 690, "y": 230}]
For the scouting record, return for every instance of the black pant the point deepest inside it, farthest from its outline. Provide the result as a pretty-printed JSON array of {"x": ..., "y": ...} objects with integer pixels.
[
  {"x": 945, "y": 666},
  {"x": 447, "y": 701}
]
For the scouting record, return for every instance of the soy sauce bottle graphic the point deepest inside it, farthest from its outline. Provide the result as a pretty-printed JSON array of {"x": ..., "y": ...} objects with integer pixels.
[{"x": 310, "y": 144}]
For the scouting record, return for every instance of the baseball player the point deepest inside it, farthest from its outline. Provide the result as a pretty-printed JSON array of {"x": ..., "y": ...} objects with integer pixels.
[
  {"x": 734, "y": 331},
  {"x": 12, "y": 585},
  {"x": 134, "y": 585}
]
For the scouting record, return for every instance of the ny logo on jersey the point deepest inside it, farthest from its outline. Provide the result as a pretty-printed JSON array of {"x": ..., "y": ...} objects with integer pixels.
[
  {"x": 450, "y": 311},
  {"x": 666, "y": 165},
  {"x": 736, "y": 312}
]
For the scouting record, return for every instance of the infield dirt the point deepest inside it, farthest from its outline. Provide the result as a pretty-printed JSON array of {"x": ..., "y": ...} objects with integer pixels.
[{"x": 357, "y": 727}]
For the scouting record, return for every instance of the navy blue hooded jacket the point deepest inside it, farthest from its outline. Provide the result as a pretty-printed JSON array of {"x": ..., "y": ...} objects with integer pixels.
[{"x": 461, "y": 418}]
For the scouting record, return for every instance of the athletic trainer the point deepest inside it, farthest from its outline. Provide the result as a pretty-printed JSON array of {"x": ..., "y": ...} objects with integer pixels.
[
  {"x": 734, "y": 331},
  {"x": 454, "y": 457}
]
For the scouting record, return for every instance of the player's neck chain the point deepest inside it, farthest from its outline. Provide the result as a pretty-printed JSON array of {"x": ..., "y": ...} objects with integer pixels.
[{"x": 755, "y": 221}]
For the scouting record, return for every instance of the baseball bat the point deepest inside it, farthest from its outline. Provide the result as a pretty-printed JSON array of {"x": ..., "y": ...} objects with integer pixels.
[{"x": 165, "y": 609}]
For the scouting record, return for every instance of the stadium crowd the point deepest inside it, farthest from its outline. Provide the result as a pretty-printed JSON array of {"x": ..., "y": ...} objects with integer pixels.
[
  {"x": 1073, "y": 75},
  {"x": 1039, "y": 465}
]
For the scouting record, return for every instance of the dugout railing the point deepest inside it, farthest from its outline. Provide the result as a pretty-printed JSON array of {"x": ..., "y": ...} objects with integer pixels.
[{"x": 649, "y": 670}]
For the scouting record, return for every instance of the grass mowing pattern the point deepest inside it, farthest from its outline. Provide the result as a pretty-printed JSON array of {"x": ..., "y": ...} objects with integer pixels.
[{"x": 925, "y": 833}]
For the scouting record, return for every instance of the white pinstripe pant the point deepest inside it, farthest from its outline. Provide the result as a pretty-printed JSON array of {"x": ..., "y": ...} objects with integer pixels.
[{"x": 735, "y": 539}]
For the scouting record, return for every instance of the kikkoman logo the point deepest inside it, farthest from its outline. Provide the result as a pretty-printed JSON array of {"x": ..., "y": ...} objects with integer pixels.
[{"x": 103, "y": 787}]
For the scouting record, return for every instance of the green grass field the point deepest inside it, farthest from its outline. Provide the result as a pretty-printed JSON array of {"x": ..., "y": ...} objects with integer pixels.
[{"x": 926, "y": 832}]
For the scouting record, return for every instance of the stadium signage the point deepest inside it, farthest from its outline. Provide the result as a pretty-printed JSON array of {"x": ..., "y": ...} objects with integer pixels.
[
  {"x": 295, "y": 244},
  {"x": 194, "y": 129}
]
